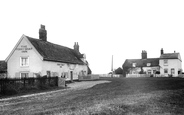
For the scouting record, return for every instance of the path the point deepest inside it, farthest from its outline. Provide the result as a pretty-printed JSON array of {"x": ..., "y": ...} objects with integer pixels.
[{"x": 18, "y": 104}]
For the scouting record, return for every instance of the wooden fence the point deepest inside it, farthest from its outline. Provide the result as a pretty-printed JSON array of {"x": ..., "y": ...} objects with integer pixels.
[
  {"x": 89, "y": 77},
  {"x": 27, "y": 82}
]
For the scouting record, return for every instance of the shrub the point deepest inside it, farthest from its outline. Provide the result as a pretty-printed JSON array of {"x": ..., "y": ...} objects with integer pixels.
[
  {"x": 10, "y": 89},
  {"x": 151, "y": 75}
]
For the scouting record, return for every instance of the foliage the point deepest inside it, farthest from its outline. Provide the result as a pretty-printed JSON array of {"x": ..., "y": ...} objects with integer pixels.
[
  {"x": 16, "y": 86},
  {"x": 126, "y": 70},
  {"x": 10, "y": 89},
  {"x": 157, "y": 72}
]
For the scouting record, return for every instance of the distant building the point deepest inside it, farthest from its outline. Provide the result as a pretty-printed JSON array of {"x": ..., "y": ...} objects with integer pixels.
[
  {"x": 31, "y": 57},
  {"x": 3, "y": 69},
  {"x": 168, "y": 64}
]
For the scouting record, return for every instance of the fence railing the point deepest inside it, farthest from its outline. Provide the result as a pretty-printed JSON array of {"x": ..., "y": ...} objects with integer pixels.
[
  {"x": 89, "y": 77},
  {"x": 23, "y": 83}
]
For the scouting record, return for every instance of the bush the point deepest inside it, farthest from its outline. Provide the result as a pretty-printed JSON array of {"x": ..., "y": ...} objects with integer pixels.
[
  {"x": 10, "y": 89},
  {"x": 157, "y": 72},
  {"x": 151, "y": 75}
]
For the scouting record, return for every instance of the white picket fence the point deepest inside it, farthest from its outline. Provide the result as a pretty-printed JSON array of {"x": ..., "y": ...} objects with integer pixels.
[{"x": 143, "y": 75}]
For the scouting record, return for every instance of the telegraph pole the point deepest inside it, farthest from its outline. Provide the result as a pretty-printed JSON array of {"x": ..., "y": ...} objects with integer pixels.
[{"x": 112, "y": 67}]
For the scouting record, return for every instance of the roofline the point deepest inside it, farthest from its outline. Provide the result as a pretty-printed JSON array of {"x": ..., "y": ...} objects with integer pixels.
[
  {"x": 143, "y": 59},
  {"x": 17, "y": 44},
  {"x": 171, "y": 58},
  {"x": 39, "y": 55},
  {"x": 145, "y": 66},
  {"x": 23, "y": 36},
  {"x": 64, "y": 61}
]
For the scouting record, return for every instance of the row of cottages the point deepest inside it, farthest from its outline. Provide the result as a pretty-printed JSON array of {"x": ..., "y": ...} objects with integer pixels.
[
  {"x": 168, "y": 64},
  {"x": 32, "y": 57}
]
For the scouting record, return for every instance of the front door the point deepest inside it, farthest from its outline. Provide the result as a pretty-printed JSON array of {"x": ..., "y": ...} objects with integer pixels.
[
  {"x": 71, "y": 76},
  {"x": 172, "y": 72}
]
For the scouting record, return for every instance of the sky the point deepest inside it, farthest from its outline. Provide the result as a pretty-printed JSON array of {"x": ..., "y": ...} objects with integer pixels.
[{"x": 122, "y": 28}]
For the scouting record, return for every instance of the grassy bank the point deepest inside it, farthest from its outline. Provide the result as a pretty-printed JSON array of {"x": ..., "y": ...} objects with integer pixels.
[{"x": 120, "y": 96}]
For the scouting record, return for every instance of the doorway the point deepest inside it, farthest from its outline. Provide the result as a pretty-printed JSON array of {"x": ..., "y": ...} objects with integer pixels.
[{"x": 172, "y": 72}]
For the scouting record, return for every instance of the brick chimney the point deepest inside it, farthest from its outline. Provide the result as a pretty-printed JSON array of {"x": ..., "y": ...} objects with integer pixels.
[
  {"x": 161, "y": 51},
  {"x": 144, "y": 54},
  {"x": 43, "y": 33},
  {"x": 76, "y": 47}
]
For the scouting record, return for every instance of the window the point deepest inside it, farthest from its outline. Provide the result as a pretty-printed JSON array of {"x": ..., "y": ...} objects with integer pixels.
[
  {"x": 24, "y": 75},
  {"x": 172, "y": 71},
  {"x": 165, "y": 62},
  {"x": 133, "y": 64},
  {"x": 148, "y": 64},
  {"x": 165, "y": 70},
  {"x": 48, "y": 74},
  {"x": 24, "y": 61},
  {"x": 154, "y": 71},
  {"x": 149, "y": 71}
]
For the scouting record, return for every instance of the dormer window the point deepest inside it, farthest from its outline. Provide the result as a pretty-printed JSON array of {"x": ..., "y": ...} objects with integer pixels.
[
  {"x": 133, "y": 64},
  {"x": 148, "y": 64}
]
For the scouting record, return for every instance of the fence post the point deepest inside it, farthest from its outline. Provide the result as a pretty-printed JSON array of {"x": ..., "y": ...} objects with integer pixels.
[
  {"x": 24, "y": 82},
  {"x": 1, "y": 85},
  {"x": 56, "y": 80}
]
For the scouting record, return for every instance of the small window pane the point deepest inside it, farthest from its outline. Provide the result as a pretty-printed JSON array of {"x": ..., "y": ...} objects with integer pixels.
[
  {"x": 24, "y": 61},
  {"x": 148, "y": 64},
  {"x": 24, "y": 75},
  {"x": 172, "y": 71},
  {"x": 165, "y": 61},
  {"x": 133, "y": 64}
]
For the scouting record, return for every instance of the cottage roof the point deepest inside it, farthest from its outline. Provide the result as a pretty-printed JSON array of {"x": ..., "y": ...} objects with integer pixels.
[
  {"x": 142, "y": 62},
  {"x": 170, "y": 56},
  {"x": 3, "y": 66},
  {"x": 53, "y": 52}
]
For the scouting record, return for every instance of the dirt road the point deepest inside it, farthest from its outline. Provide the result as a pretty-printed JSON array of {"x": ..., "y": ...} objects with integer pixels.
[{"x": 28, "y": 103}]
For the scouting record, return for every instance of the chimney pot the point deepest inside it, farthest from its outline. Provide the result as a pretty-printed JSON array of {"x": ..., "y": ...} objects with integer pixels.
[
  {"x": 161, "y": 51},
  {"x": 144, "y": 54},
  {"x": 42, "y": 33}
]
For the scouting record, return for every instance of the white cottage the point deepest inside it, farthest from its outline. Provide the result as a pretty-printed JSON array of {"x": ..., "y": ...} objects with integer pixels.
[
  {"x": 168, "y": 64},
  {"x": 31, "y": 57}
]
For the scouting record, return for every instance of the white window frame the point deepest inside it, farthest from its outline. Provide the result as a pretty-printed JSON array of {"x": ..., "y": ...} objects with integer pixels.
[
  {"x": 165, "y": 62},
  {"x": 148, "y": 64},
  {"x": 21, "y": 63},
  {"x": 24, "y": 73},
  {"x": 172, "y": 72},
  {"x": 134, "y": 64}
]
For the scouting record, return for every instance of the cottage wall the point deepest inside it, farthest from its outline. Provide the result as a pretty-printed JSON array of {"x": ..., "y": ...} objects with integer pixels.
[
  {"x": 63, "y": 69},
  {"x": 24, "y": 49},
  {"x": 172, "y": 63}
]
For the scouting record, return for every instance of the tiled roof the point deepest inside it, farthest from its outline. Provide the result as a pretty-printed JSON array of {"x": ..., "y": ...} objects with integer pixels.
[
  {"x": 54, "y": 52},
  {"x": 3, "y": 66},
  {"x": 169, "y": 56},
  {"x": 141, "y": 62}
]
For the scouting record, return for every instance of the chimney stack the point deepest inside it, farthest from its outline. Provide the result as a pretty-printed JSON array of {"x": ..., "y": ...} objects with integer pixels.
[
  {"x": 43, "y": 33},
  {"x": 162, "y": 51},
  {"x": 76, "y": 47},
  {"x": 144, "y": 54}
]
